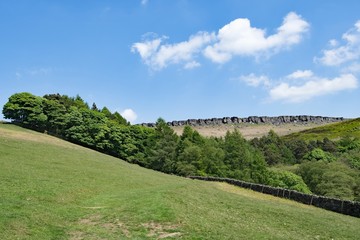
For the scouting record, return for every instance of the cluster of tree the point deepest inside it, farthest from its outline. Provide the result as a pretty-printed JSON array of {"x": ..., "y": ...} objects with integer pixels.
[
  {"x": 232, "y": 156},
  {"x": 72, "y": 119},
  {"x": 329, "y": 168},
  {"x": 322, "y": 167}
]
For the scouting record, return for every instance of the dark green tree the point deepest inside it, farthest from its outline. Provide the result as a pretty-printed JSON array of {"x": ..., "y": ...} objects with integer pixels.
[
  {"x": 162, "y": 152},
  {"x": 94, "y": 107},
  {"x": 243, "y": 161},
  {"x": 328, "y": 145},
  {"x": 347, "y": 143},
  {"x": 298, "y": 147},
  {"x": 115, "y": 117},
  {"x": 56, "y": 116},
  {"x": 274, "y": 149},
  {"x": 212, "y": 162},
  {"x": 26, "y": 109}
]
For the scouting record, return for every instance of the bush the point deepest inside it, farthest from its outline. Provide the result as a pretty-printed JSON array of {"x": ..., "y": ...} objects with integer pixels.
[{"x": 288, "y": 180}]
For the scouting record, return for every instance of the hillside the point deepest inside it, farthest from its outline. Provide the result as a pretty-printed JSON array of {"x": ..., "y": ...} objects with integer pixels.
[
  {"x": 52, "y": 189},
  {"x": 306, "y": 130},
  {"x": 332, "y": 131},
  {"x": 249, "y": 130}
]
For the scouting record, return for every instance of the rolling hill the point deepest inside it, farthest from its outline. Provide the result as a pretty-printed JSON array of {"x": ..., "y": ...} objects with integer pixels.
[
  {"x": 332, "y": 131},
  {"x": 52, "y": 189}
]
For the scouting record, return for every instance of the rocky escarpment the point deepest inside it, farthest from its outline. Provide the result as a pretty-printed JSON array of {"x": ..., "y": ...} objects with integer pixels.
[{"x": 300, "y": 119}]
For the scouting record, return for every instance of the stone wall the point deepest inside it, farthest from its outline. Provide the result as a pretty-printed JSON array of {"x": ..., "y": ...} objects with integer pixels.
[
  {"x": 252, "y": 119},
  {"x": 337, "y": 205}
]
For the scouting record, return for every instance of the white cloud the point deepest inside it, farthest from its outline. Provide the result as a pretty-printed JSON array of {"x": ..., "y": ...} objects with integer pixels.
[
  {"x": 313, "y": 88},
  {"x": 255, "y": 81},
  {"x": 333, "y": 43},
  {"x": 353, "y": 68},
  {"x": 147, "y": 48},
  {"x": 191, "y": 65},
  {"x": 300, "y": 74},
  {"x": 39, "y": 71},
  {"x": 158, "y": 55},
  {"x": 349, "y": 51},
  {"x": 129, "y": 115},
  {"x": 239, "y": 38},
  {"x": 33, "y": 72}
]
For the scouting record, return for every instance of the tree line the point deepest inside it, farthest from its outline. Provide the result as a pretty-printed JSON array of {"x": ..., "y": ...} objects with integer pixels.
[{"x": 329, "y": 168}]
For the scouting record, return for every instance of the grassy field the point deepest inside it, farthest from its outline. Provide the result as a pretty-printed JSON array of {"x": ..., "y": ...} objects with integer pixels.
[
  {"x": 332, "y": 131},
  {"x": 51, "y": 189}
]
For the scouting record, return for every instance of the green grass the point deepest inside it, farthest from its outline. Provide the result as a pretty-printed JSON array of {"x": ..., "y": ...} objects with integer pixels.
[
  {"x": 50, "y": 189},
  {"x": 332, "y": 131}
]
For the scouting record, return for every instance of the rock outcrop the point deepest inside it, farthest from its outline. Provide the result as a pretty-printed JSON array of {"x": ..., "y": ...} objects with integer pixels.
[{"x": 300, "y": 119}]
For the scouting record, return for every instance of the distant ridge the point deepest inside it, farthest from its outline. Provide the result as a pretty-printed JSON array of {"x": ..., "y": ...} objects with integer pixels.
[{"x": 301, "y": 119}]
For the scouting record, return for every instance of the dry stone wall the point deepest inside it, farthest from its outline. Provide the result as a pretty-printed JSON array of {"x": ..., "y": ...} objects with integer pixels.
[
  {"x": 300, "y": 119},
  {"x": 336, "y": 205}
]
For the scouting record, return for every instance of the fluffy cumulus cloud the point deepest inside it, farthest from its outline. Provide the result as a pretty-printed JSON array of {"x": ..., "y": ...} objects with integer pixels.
[
  {"x": 301, "y": 85},
  {"x": 305, "y": 85},
  {"x": 313, "y": 87},
  {"x": 348, "y": 51},
  {"x": 129, "y": 115},
  {"x": 254, "y": 80},
  {"x": 239, "y": 38},
  {"x": 158, "y": 55}
]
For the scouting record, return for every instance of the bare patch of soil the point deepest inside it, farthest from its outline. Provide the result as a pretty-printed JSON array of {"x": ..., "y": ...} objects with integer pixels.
[
  {"x": 96, "y": 221},
  {"x": 77, "y": 235},
  {"x": 161, "y": 231}
]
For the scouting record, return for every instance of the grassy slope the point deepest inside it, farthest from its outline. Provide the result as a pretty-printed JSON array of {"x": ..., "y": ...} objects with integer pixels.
[
  {"x": 52, "y": 189},
  {"x": 331, "y": 131}
]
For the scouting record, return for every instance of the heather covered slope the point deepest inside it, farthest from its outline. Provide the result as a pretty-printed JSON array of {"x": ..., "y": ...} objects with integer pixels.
[
  {"x": 51, "y": 189},
  {"x": 350, "y": 128}
]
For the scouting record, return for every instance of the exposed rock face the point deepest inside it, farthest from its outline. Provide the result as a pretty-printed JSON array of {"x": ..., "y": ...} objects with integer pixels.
[{"x": 252, "y": 119}]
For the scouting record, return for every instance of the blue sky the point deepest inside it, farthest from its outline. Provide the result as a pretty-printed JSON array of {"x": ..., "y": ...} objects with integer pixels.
[{"x": 184, "y": 59}]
